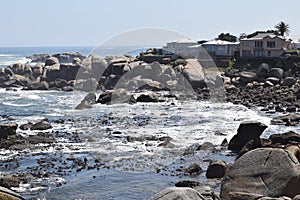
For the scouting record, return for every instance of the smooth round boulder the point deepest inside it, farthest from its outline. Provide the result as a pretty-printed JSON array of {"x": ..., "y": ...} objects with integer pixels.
[
  {"x": 276, "y": 72},
  {"x": 269, "y": 172},
  {"x": 262, "y": 70}
]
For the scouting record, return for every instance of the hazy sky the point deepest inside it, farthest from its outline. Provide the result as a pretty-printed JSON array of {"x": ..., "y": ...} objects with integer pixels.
[{"x": 90, "y": 22}]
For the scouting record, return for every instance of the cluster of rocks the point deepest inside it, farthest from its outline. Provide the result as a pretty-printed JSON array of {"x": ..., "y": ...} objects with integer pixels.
[
  {"x": 264, "y": 169},
  {"x": 10, "y": 139},
  {"x": 93, "y": 72},
  {"x": 273, "y": 89}
]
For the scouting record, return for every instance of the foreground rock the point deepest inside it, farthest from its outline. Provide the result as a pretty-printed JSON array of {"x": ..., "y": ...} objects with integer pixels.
[
  {"x": 9, "y": 194},
  {"x": 182, "y": 193},
  {"x": 7, "y": 130},
  {"x": 247, "y": 131},
  {"x": 265, "y": 171},
  {"x": 216, "y": 169}
]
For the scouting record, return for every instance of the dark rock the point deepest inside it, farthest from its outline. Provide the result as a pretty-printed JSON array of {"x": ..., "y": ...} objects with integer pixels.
[
  {"x": 247, "y": 147},
  {"x": 276, "y": 72},
  {"x": 7, "y": 130},
  {"x": 148, "y": 98},
  {"x": 286, "y": 119},
  {"x": 206, "y": 146},
  {"x": 247, "y": 131},
  {"x": 285, "y": 138},
  {"x": 26, "y": 126},
  {"x": 37, "y": 86},
  {"x": 9, "y": 181},
  {"x": 188, "y": 183},
  {"x": 14, "y": 142},
  {"x": 193, "y": 170},
  {"x": 289, "y": 81},
  {"x": 116, "y": 96},
  {"x": 42, "y": 125},
  {"x": 180, "y": 193},
  {"x": 262, "y": 70},
  {"x": 265, "y": 171},
  {"x": 216, "y": 169},
  {"x": 167, "y": 144},
  {"x": 247, "y": 77},
  {"x": 224, "y": 143},
  {"x": 40, "y": 138}
]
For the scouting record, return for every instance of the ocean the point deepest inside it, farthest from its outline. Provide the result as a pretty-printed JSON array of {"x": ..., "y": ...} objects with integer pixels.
[{"x": 130, "y": 169}]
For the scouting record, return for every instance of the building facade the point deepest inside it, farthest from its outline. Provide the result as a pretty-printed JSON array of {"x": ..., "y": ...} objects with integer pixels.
[{"x": 263, "y": 45}]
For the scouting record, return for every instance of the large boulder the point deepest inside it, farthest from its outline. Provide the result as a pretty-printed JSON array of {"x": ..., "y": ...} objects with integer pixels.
[
  {"x": 247, "y": 131},
  {"x": 178, "y": 193},
  {"x": 285, "y": 138},
  {"x": 288, "y": 119},
  {"x": 264, "y": 171},
  {"x": 262, "y": 70},
  {"x": 9, "y": 194},
  {"x": 7, "y": 129},
  {"x": 248, "y": 77},
  {"x": 99, "y": 65},
  {"x": 194, "y": 73},
  {"x": 288, "y": 81},
  {"x": 276, "y": 72}
]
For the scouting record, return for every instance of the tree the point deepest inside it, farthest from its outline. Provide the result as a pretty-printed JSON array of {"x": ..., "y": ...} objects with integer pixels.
[
  {"x": 282, "y": 28},
  {"x": 227, "y": 37}
]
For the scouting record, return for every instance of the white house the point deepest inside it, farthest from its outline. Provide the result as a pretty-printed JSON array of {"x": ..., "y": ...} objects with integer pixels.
[
  {"x": 221, "y": 48},
  {"x": 180, "y": 47}
]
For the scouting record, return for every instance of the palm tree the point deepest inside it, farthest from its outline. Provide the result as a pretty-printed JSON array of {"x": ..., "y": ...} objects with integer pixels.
[{"x": 283, "y": 28}]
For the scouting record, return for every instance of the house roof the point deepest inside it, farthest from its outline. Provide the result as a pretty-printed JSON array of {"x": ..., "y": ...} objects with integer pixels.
[
  {"x": 183, "y": 40},
  {"x": 219, "y": 42},
  {"x": 261, "y": 36}
]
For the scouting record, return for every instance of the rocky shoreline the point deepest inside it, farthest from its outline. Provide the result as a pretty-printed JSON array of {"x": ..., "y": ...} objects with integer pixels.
[{"x": 265, "y": 168}]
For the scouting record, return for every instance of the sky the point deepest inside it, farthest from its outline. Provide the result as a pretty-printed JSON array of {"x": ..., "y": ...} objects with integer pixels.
[{"x": 92, "y": 22}]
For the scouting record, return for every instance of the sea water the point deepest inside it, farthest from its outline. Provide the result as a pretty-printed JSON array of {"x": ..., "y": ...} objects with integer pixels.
[{"x": 131, "y": 167}]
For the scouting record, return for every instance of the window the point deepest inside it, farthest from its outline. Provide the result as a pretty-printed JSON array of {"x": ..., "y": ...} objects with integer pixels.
[
  {"x": 258, "y": 53},
  {"x": 271, "y": 44},
  {"x": 258, "y": 44}
]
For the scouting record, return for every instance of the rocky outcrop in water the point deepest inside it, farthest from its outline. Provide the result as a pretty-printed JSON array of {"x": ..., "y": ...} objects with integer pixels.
[{"x": 246, "y": 132}]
